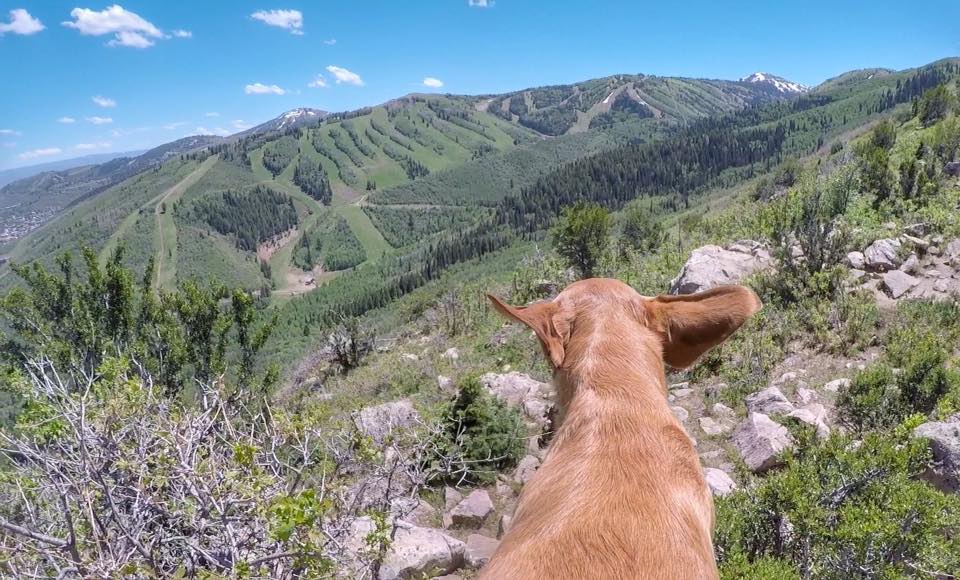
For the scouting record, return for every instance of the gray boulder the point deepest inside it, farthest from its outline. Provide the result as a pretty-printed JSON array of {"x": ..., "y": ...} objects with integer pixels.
[
  {"x": 521, "y": 390},
  {"x": 472, "y": 512},
  {"x": 718, "y": 481},
  {"x": 415, "y": 551},
  {"x": 856, "y": 260},
  {"x": 815, "y": 415},
  {"x": 952, "y": 168},
  {"x": 835, "y": 385},
  {"x": 713, "y": 427},
  {"x": 944, "y": 437},
  {"x": 479, "y": 550},
  {"x": 380, "y": 420},
  {"x": 710, "y": 266},
  {"x": 883, "y": 255},
  {"x": 525, "y": 469},
  {"x": 760, "y": 440},
  {"x": 768, "y": 401},
  {"x": 897, "y": 283}
]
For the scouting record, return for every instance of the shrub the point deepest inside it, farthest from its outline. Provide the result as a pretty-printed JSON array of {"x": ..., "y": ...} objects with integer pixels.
[
  {"x": 642, "y": 230},
  {"x": 839, "y": 510},
  {"x": 582, "y": 236},
  {"x": 479, "y": 436},
  {"x": 935, "y": 104}
]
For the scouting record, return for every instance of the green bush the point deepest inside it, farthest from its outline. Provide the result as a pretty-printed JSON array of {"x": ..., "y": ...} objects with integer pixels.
[
  {"x": 480, "y": 435},
  {"x": 582, "y": 236},
  {"x": 839, "y": 510}
]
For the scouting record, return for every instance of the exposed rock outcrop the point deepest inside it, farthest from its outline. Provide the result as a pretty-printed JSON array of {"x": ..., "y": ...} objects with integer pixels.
[
  {"x": 710, "y": 266},
  {"x": 944, "y": 437},
  {"x": 760, "y": 440},
  {"x": 380, "y": 420}
]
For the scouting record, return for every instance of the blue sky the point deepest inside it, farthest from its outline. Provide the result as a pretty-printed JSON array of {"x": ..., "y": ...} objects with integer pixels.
[{"x": 141, "y": 73}]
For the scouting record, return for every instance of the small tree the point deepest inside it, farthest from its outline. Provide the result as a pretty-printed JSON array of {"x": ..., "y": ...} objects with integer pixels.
[
  {"x": 582, "y": 236},
  {"x": 641, "y": 229},
  {"x": 935, "y": 104}
]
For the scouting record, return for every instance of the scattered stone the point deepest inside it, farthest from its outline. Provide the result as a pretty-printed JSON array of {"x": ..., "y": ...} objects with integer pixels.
[
  {"x": 919, "y": 229},
  {"x": 911, "y": 265},
  {"x": 785, "y": 378},
  {"x": 814, "y": 415},
  {"x": 953, "y": 249},
  {"x": 805, "y": 395},
  {"x": 918, "y": 243},
  {"x": 410, "y": 357},
  {"x": 836, "y": 384},
  {"x": 503, "y": 526},
  {"x": 451, "y": 354},
  {"x": 715, "y": 390},
  {"x": 380, "y": 420},
  {"x": 473, "y": 510},
  {"x": 944, "y": 437},
  {"x": 683, "y": 385},
  {"x": 890, "y": 225},
  {"x": 718, "y": 481},
  {"x": 415, "y": 551},
  {"x": 882, "y": 255},
  {"x": 710, "y": 266},
  {"x": 525, "y": 469},
  {"x": 857, "y": 274},
  {"x": 768, "y": 401},
  {"x": 898, "y": 283},
  {"x": 722, "y": 411},
  {"x": 479, "y": 550},
  {"x": 681, "y": 393},
  {"x": 680, "y": 413},
  {"x": 415, "y": 511},
  {"x": 503, "y": 489},
  {"x": 712, "y": 427},
  {"x": 952, "y": 168},
  {"x": 451, "y": 497},
  {"x": 446, "y": 384},
  {"x": 760, "y": 440},
  {"x": 856, "y": 260}
]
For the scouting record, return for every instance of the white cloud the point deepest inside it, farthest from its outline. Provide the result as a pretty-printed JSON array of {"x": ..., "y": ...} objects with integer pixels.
[
  {"x": 66, "y": 120},
  {"x": 92, "y": 146},
  {"x": 345, "y": 76},
  {"x": 128, "y": 28},
  {"x": 99, "y": 120},
  {"x": 10, "y": 132},
  {"x": 212, "y": 114},
  {"x": 215, "y": 131},
  {"x": 21, "y": 23},
  {"x": 182, "y": 33},
  {"x": 291, "y": 20},
  {"x": 262, "y": 89},
  {"x": 241, "y": 125},
  {"x": 174, "y": 125},
  {"x": 318, "y": 83},
  {"x": 46, "y": 152},
  {"x": 330, "y": 41},
  {"x": 432, "y": 83},
  {"x": 480, "y": 3},
  {"x": 104, "y": 102}
]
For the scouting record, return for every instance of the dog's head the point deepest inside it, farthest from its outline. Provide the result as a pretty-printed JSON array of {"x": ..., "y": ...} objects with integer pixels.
[{"x": 686, "y": 326}]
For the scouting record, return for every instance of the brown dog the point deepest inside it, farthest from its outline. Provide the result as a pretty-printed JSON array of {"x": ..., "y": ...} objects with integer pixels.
[{"x": 620, "y": 493}]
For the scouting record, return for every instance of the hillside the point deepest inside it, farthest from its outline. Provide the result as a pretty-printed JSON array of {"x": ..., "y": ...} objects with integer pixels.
[{"x": 415, "y": 415}]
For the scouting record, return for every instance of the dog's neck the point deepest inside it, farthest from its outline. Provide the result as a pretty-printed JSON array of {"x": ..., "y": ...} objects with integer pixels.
[{"x": 610, "y": 363}]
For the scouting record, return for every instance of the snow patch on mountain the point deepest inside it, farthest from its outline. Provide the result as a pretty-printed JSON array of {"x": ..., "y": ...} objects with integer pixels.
[{"x": 778, "y": 83}]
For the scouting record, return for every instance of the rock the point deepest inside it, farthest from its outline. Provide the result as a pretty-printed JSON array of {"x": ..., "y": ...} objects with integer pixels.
[
  {"x": 760, "y": 440},
  {"x": 768, "y": 401},
  {"x": 680, "y": 413},
  {"x": 897, "y": 283},
  {"x": 953, "y": 249},
  {"x": 918, "y": 229},
  {"x": 856, "y": 260},
  {"x": 410, "y": 357},
  {"x": 952, "y": 168},
  {"x": 676, "y": 386},
  {"x": 479, "y": 549},
  {"x": 718, "y": 481},
  {"x": 525, "y": 469},
  {"x": 805, "y": 396},
  {"x": 836, "y": 384},
  {"x": 681, "y": 393},
  {"x": 715, "y": 390},
  {"x": 712, "y": 427},
  {"x": 473, "y": 510},
  {"x": 857, "y": 274},
  {"x": 380, "y": 420},
  {"x": 918, "y": 243},
  {"x": 785, "y": 378},
  {"x": 722, "y": 411},
  {"x": 710, "y": 266},
  {"x": 448, "y": 577},
  {"x": 814, "y": 415},
  {"x": 911, "y": 265},
  {"x": 518, "y": 389},
  {"x": 890, "y": 225},
  {"x": 415, "y": 551},
  {"x": 944, "y": 437},
  {"x": 503, "y": 526},
  {"x": 503, "y": 489},
  {"x": 882, "y": 255},
  {"x": 451, "y": 354},
  {"x": 415, "y": 511},
  {"x": 446, "y": 384}
]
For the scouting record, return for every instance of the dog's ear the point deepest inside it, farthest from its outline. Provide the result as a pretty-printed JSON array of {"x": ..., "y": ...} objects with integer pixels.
[
  {"x": 692, "y": 324},
  {"x": 545, "y": 320}
]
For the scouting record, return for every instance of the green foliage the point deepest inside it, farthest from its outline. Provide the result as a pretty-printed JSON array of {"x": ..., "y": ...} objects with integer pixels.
[
  {"x": 480, "y": 435},
  {"x": 875, "y": 174},
  {"x": 402, "y": 226},
  {"x": 936, "y": 104},
  {"x": 278, "y": 154},
  {"x": 582, "y": 236},
  {"x": 839, "y": 510},
  {"x": 310, "y": 177},
  {"x": 331, "y": 243},
  {"x": 641, "y": 229},
  {"x": 252, "y": 216}
]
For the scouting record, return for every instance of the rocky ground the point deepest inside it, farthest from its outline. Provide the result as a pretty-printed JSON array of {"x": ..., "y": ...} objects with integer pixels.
[{"x": 454, "y": 533}]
